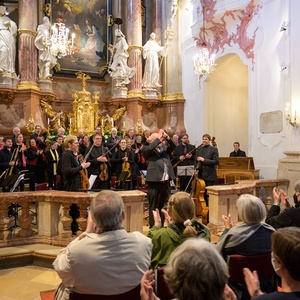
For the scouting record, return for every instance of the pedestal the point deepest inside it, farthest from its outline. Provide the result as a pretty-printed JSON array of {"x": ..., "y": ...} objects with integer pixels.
[
  {"x": 45, "y": 85},
  {"x": 150, "y": 93},
  {"x": 9, "y": 81},
  {"x": 120, "y": 92}
]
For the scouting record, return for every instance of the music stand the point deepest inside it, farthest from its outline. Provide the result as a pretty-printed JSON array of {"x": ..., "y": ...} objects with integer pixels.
[{"x": 185, "y": 170}]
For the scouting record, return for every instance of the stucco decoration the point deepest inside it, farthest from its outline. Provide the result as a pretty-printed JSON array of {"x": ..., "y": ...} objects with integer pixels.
[{"x": 230, "y": 28}]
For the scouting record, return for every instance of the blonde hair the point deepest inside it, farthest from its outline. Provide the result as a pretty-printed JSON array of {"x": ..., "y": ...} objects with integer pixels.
[
  {"x": 182, "y": 209},
  {"x": 69, "y": 140}
]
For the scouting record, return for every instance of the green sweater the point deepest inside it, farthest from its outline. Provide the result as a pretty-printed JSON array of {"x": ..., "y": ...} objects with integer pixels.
[{"x": 166, "y": 239}]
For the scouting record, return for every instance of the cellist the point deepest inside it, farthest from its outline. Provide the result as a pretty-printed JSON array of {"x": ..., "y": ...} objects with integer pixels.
[{"x": 99, "y": 163}]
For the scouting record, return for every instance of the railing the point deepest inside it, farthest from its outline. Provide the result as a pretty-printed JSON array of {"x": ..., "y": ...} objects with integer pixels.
[
  {"x": 222, "y": 198},
  {"x": 52, "y": 215}
]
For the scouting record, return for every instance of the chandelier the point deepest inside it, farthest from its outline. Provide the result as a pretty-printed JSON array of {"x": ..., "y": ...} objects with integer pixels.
[
  {"x": 60, "y": 43},
  {"x": 204, "y": 62}
]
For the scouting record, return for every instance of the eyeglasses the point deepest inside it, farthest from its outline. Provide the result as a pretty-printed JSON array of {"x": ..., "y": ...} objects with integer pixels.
[{"x": 75, "y": 143}]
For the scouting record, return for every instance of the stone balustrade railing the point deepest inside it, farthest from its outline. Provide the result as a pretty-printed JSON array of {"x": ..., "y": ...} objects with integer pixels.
[
  {"x": 222, "y": 198},
  {"x": 52, "y": 215}
]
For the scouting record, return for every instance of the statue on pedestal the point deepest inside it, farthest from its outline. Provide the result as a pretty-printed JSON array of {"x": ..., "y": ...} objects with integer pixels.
[
  {"x": 118, "y": 68},
  {"x": 151, "y": 52},
  {"x": 43, "y": 42},
  {"x": 8, "y": 33}
]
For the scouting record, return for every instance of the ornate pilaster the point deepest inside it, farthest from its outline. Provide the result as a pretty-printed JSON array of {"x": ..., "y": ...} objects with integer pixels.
[
  {"x": 134, "y": 38},
  {"x": 27, "y": 53}
]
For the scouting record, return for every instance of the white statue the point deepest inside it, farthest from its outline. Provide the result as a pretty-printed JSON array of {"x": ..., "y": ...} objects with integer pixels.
[
  {"x": 43, "y": 42},
  {"x": 174, "y": 8},
  {"x": 151, "y": 50},
  {"x": 119, "y": 69},
  {"x": 8, "y": 33}
]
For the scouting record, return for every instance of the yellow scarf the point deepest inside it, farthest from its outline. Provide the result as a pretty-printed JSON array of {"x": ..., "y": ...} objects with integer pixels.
[{"x": 55, "y": 157}]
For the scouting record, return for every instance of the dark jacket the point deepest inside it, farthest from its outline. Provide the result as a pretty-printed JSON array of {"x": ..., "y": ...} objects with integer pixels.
[
  {"x": 207, "y": 168},
  {"x": 239, "y": 153},
  {"x": 289, "y": 217},
  {"x": 156, "y": 160}
]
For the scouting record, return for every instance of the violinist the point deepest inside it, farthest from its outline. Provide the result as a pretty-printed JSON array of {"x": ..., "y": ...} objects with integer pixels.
[
  {"x": 6, "y": 161},
  {"x": 112, "y": 140},
  {"x": 71, "y": 166},
  {"x": 123, "y": 160},
  {"x": 98, "y": 158},
  {"x": 206, "y": 160},
  {"x": 184, "y": 155}
]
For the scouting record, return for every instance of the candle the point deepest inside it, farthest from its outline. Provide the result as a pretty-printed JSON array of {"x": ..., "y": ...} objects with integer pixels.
[
  {"x": 112, "y": 123},
  {"x": 58, "y": 122},
  {"x": 48, "y": 121},
  {"x": 70, "y": 121},
  {"x": 102, "y": 122},
  {"x": 73, "y": 36}
]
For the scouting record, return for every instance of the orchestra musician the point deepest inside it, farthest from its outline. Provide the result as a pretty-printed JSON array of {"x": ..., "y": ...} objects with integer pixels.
[
  {"x": 123, "y": 160},
  {"x": 71, "y": 168},
  {"x": 159, "y": 171},
  {"x": 206, "y": 160},
  {"x": 98, "y": 158},
  {"x": 6, "y": 161},
  {"x": 183, "y": 155}
]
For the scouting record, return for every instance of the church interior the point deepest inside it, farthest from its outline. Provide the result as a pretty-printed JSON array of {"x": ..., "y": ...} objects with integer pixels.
[{"x": 245, "y": 88}]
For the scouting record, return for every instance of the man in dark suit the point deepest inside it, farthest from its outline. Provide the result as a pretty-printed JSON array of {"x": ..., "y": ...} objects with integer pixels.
[
  {"x": 159, "y": 171},
  {"x": 206, "y": 160},
  {"x": 290, "y": 216},
  {"x": 237, "y": 151},
  {"x": 183, "y": 157}
]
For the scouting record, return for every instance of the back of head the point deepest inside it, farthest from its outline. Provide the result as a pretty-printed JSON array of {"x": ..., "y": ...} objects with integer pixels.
[
  {"x": 286, "y": 249},
  {"x": 182, "y": 208},
  {"x": 69, "y": 140},
  {"x": 196, "y": 271},
  {"x": 106, "y": 210},
  {"x": 251, "y": 209}
]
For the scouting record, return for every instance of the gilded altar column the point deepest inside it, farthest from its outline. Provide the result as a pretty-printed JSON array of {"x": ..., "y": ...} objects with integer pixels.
[
  {"x": 133, "y": 19},
  {"x": 27, "y": 53}
]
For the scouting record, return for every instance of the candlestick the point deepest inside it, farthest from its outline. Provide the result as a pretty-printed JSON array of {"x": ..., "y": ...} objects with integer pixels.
[{"x": 48, "y": 121}]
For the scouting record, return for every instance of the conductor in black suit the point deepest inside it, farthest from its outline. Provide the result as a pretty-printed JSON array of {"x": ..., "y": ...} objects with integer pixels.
[
  {"x": 159, "y": 171},
  {"x": 237, "y": 151}
]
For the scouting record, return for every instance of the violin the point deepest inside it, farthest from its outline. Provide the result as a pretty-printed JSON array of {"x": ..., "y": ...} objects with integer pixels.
[
  {"x": 103, "y": 176},
  {"x": 125, "y": 169}
]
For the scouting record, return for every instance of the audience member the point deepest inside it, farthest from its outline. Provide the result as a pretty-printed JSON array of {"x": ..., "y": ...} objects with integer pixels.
[
  {"x": 84, "y": 145},
  {"x": 252, "y": 237},
  {"x": 175, "y": 139},
  {"x": 105, "y": 259},
  {"x": 1, "y": 142},
  {"x": 237, "y": 152},
  {"x": 195, "y": 271},
  {"x": 159, "y": 171},
  {"x": 179, "y": 217},
  {"x": 290, "y": 216},
  {"x": 286, "y": 263}
]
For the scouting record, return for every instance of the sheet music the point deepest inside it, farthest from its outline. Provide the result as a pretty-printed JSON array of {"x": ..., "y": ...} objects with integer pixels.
[{"x": 92, "y": 180}]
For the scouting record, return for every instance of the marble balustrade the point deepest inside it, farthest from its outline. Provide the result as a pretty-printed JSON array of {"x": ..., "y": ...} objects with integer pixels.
[
  {"x": 53, "y": 219},
  {"x": 222, "y": 199}
]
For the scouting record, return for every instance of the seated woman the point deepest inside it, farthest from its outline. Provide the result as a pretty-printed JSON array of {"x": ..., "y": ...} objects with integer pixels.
[
  {"x": 179, "y": 217},
  {"x": 195, "y": 271},
  {"x": 286, "y": 263},
  {"x": 252, "y": 237}
]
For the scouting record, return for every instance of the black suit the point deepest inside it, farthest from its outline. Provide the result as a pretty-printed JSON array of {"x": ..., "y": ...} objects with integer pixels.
[
  {"x": 239, "y": 153},
  {"x": 290, "y": 216},
  {"x": 158, "y": 187},
  {"x": 179, "y": 151},
  {"x": 95, "y": 166},
  {"x": 207, "y": 168}
]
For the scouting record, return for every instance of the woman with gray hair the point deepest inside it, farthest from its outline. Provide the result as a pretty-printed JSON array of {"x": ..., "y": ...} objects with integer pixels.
[
  {"x": 195, "y": 271},
  {"x": 253, "y": 236}
]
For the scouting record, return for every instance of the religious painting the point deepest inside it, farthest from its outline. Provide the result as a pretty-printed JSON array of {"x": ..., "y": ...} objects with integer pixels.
[{"x": 89, "y": 34}]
